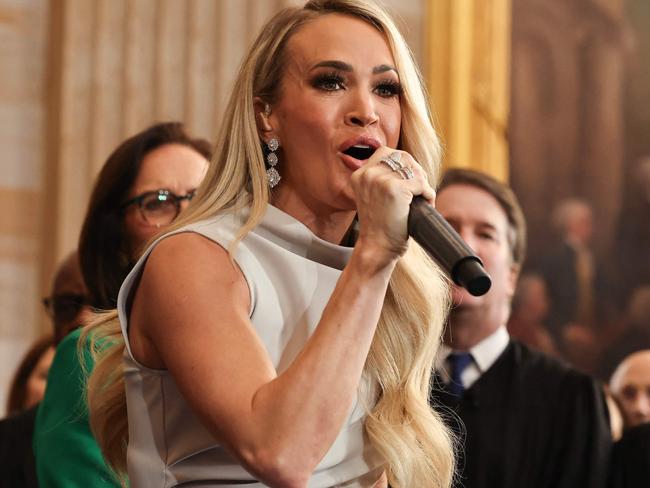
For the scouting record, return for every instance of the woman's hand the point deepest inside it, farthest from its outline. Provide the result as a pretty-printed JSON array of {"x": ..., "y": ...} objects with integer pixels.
[{"x": 383, "y": 195}]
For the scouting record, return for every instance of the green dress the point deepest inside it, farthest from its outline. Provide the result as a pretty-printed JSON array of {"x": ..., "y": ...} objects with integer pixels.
[{"x": 66, "y": 452}]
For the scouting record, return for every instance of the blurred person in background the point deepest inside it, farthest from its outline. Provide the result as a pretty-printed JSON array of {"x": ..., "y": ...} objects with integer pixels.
[
  {"x": 630, "y": 386},
  {"x": 142, "y": 187},
  {"x": 630, "y": 334},
  {"x": 67, "y": 307},
  {"x": 572, "y": 278},
  {"x": 530, "y": 305},
  {"x": 28, "y": 385}
]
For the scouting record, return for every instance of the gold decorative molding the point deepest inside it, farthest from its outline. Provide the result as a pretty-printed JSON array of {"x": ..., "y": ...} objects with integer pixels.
[{"x": 468, "y": 76}]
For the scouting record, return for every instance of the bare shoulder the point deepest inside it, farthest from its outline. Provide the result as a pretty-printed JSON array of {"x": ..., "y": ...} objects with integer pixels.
[
  {"x": 185, "y": 246},
  {"x": 189, "y": 257},
  {"x": 187, "y": 281}
]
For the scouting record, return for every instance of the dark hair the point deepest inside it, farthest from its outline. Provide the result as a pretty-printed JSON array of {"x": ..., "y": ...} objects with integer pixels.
[
  {"x": 103, "y": 254},
  {"x": 18, "y": 390},
  {"x": 503, "y": 194}
]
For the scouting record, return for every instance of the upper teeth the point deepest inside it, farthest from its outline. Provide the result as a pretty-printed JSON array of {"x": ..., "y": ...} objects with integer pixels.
[{"x": 361, "y": 146}]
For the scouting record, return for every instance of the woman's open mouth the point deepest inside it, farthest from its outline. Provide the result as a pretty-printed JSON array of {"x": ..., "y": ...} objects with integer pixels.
[
  {"x": 360, "y": 151},
  {"x": 356, "y": 151}
]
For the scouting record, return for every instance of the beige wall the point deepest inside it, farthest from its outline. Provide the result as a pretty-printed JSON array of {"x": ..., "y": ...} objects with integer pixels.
[
  {"x": 78, "y": 76},
  {"x": 23, "y": 32}
]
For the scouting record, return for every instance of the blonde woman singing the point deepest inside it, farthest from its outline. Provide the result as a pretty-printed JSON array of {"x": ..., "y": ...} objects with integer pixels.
[{"x": 283, "y": 332}]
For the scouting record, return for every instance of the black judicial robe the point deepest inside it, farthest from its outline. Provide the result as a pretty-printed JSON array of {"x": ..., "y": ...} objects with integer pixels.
[
  {"x": 631, "y": 459},
  {"x": 530, "y": 422},
  {"x": 17, "y": 465}
]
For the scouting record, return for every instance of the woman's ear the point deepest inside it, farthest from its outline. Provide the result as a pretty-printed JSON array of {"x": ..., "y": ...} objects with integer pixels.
[{"x": 262, "y": 118}]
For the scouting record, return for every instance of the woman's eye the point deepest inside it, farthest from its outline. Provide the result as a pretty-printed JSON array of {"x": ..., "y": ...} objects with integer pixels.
[
  {"x": 155, "y": 204},
  {"x": 328, "y": 82},
  {"x": 388, "y": 89}
]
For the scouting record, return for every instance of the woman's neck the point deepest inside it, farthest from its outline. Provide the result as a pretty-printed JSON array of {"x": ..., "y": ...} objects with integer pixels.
[{"x": 327, "y": 223}]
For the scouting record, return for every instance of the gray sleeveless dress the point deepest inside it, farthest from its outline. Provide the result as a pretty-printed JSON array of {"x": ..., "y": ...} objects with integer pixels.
[{"x": 290, "y": 274}]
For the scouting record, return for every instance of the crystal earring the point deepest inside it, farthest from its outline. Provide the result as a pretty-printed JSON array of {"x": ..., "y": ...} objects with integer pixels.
[{"x": 271, "y": 173}]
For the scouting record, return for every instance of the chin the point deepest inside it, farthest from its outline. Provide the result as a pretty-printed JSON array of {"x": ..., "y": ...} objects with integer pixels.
[{"x": 345, "y": 199}]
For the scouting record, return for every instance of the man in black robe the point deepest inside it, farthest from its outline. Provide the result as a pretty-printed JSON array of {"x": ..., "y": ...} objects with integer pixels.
[{"x": 524, "y": 420}]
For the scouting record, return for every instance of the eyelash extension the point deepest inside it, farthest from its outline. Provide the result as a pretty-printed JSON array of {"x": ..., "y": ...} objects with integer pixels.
[
  {"x": 394, "y": 87},
  {"x": 324, "y": 81}
]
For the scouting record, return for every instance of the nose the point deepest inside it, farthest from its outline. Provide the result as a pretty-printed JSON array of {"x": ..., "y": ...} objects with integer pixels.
[
  {"x": 468, "y": 236},
  {"x": 361, "y": 112}
]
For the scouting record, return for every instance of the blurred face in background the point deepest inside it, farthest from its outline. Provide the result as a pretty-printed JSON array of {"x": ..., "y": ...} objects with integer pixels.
[
  {"x": 68, "y": 303},
  {"x": 174, "y": 168},
  {"x": 37, "y": 380},
  {"x": 581, "y": 224},
  {"x": 531, "y": 297},
  {"x": 630, "y": 385}
]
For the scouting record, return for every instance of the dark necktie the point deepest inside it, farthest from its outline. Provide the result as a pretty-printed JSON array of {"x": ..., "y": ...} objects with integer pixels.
[{"x": 458, "y": 361}]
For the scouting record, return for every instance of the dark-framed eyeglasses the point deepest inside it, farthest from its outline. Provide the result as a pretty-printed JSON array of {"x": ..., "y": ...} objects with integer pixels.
[
  {"x": 65, "y": 307},
  {"x": 159, "y": 207}
]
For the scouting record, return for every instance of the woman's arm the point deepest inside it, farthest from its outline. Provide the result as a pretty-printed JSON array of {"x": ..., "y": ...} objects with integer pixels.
[{"x": 279, "y": 426}]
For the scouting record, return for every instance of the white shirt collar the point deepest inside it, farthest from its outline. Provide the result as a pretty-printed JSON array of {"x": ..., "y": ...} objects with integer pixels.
[{"x": 485, "y": 353}]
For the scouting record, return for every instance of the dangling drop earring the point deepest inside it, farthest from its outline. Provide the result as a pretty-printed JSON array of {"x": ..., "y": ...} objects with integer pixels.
[{"x": 271, "y": 173}]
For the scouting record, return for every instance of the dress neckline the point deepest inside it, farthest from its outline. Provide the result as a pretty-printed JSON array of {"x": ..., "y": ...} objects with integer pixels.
[{"x": 294, "y": 236}]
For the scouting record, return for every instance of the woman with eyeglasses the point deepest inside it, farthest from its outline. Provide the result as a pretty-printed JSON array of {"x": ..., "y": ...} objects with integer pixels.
[{"x": 140, "y": 190}]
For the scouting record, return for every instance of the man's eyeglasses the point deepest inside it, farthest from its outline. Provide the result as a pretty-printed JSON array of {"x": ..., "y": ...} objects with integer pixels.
[
  {"x": 159, "y": 207},
  {"x": 64, "y": 308}
]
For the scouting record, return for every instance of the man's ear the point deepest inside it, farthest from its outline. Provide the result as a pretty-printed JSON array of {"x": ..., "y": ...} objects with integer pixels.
[
  {"x": 513, "y": 277},
  {"x": 262, "y": 118}
]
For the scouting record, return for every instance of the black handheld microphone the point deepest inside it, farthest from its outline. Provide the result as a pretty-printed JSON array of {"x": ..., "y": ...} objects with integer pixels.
[{"x": 443, "y": 244}]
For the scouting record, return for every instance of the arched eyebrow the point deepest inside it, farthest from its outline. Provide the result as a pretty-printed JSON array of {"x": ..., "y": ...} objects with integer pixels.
[
  {"x": 342, "y": 66},
  {"x": 382, "y": 68},
  {"x": 339, "y": 65}
]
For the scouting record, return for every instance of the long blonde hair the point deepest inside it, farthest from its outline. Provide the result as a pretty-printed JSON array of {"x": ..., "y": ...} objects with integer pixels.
[{"x": 409, "y": 434}]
